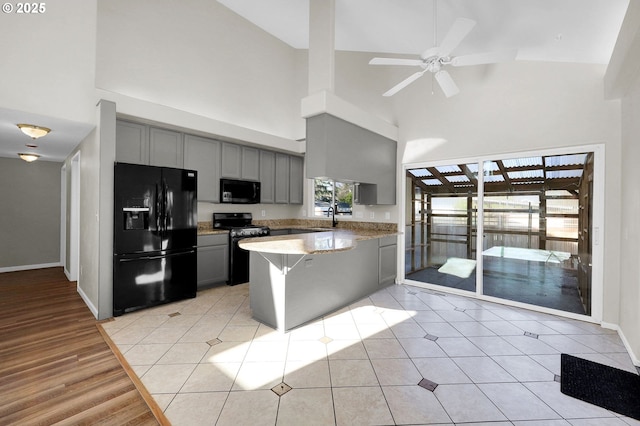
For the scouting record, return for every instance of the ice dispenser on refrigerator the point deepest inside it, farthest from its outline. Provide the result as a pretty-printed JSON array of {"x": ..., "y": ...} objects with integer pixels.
[{"x": 135, "y": 214}]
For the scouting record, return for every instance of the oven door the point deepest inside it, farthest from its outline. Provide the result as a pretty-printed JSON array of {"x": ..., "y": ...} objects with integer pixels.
[{"x": 238, "y": 263}]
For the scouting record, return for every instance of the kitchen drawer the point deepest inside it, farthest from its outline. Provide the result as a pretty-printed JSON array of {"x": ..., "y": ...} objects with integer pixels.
[
  {"x": 388, "y": 241},
  {"x": 213, "y": 240}
]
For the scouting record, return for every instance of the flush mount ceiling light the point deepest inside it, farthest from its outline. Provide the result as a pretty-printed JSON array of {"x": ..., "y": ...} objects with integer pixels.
[
  {"x": 34, "y": 131},
  {"x": 28, "y": 157}
]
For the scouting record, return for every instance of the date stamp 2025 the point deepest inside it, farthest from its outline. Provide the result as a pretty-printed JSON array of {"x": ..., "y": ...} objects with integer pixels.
[{"x": 24, "y": 8}]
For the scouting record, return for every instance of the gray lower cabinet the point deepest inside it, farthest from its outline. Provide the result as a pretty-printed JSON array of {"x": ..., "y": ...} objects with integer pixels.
[
  {"x": 203, "y": 155},
  {"x": 132, "y": 143},
  {"x": 387, "y": 260},
  {"x": 282, "y": 179},
  {"x": 165, "y": 148},
  {"x": 213, "y": 259}
]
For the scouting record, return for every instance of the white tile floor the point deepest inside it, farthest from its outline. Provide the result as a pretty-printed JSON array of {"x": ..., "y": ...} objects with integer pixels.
[{"x": 206, "y": 362}]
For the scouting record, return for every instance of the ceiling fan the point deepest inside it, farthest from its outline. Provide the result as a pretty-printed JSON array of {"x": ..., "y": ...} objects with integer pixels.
[{"x": 436, "y": 58}]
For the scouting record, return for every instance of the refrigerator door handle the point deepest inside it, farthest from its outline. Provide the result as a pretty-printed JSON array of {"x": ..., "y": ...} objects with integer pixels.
[
  {"x": 137, "y": 259},
  {"x": 165, "y": 189},
  {"x": 161, "y": 256},
  {"x": 158, "y": 211}
]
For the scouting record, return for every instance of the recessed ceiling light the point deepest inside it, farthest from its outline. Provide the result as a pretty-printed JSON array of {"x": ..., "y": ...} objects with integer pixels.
[
  {"x": 33, "y": 131},
  {"x": 30, "y": 145}
]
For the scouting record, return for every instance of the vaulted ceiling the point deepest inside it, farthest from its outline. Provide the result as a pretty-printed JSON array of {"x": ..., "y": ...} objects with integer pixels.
[{"x": 582, "y": 31}]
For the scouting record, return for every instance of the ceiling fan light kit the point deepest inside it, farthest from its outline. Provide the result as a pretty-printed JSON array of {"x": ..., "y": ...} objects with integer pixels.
[{"x": 435, "y": 58}]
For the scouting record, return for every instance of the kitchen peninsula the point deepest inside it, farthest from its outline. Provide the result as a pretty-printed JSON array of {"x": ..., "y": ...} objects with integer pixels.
[{"x": 300, "y": 277}]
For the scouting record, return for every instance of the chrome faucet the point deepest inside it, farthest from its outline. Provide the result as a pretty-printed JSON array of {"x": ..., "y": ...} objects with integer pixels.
[{"x": 332, "y": 211}]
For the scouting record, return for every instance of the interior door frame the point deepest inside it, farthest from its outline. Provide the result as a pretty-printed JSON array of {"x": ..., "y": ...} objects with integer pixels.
[
  {"x": 63, "y": 219},
  {"x": 74, "y": 220},
  {"x": 598, "y": 230}
]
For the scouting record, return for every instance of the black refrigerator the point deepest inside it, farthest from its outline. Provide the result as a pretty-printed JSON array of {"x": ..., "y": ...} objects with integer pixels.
[{"x": 154, "y": 236}]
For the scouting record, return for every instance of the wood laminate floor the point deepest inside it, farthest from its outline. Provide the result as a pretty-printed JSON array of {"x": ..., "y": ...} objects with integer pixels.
[{"x": 55, "y": 366}]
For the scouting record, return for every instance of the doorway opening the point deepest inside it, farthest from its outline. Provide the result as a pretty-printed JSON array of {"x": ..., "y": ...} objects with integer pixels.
[{"x": 517, "y": 229}]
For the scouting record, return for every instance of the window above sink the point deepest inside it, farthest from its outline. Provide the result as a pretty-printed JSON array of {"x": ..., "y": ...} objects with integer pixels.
[{"x": 328, "y": 193}]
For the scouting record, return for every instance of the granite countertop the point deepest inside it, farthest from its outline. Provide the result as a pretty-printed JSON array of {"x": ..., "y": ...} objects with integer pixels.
[
  {"x": 364, "y": 230},
  {"x": 329, "y": 241},
  {"x": 211, "y": 231}
]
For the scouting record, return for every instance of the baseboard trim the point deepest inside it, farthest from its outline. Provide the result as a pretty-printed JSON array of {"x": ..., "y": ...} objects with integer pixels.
[
  {"x": 634, "y": 357},
  {"x": 88, "y": 302},
  {"x": 29, "y": 267}
]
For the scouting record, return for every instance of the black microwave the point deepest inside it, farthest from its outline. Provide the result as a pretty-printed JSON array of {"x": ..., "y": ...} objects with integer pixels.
[{"x": 239, "y": 191}]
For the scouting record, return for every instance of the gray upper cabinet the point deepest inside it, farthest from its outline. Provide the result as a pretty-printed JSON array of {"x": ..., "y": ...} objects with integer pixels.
[
  {"x": 267, "y": 176},
  {"x": 132, "y": 143},
  {"x": 203, "y": 155},
  {"x": 282, "y": 178},
  {"x": 165, "y": 148},
  {"x": 365, "y": 157},
  {"x": 296, "y": 179},
  {"x": 140, "y": 144},
  {"x": 281, "y": 175},
  {"x": 231, "y": 161},
  {"x": 250, "y": 163},
  {"x": 240, "y": 162}
]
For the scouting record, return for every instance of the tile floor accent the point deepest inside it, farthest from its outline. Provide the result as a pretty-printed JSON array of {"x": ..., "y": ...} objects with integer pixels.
[{"x": 404, "y": 355}]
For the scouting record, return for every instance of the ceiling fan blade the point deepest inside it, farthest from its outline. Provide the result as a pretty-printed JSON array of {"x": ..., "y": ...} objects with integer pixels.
[
  {"x": 484, "y": 58},
  {"x": 459, "y": 30},
  {"x": 446, "y": 83},
  {"x": 404, "y": 83},
  {"x": 395, "y": 61}
]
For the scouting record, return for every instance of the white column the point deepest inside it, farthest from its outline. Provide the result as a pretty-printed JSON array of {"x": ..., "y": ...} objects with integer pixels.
[{"x": 321, "y": 45}]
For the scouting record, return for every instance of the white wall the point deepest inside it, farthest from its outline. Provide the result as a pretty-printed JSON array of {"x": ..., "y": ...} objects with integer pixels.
[
  {"x": 623, "y": 79},
  {"x": 97, "y": 154},
  {"x": 197, "y": 57},
  {"x": 629, "y": 211},
  {"x": 48, "y": 60},
  {"x": 88, "y": 281}
]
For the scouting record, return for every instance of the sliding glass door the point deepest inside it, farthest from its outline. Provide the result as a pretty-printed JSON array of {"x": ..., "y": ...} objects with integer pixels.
[
  {"x": 441, "y": 229},
  {"x": 534, "y": 218}
]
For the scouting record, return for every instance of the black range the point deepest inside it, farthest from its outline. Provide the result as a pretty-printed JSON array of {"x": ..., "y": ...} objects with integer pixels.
[{"x": 239, "y": 226}]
